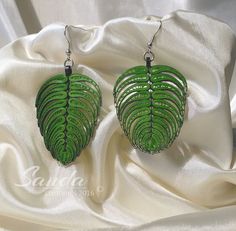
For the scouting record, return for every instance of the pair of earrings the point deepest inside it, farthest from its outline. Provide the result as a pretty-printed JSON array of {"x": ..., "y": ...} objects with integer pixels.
[{"x": 149, "y": 100}]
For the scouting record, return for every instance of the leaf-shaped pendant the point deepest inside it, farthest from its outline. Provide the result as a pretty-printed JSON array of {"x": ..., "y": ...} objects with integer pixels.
[
  {"x": 150, "y": 105},
  {"x": 67, "y": 112}
]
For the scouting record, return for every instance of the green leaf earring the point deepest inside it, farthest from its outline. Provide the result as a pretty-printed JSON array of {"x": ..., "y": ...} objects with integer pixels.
[
  {"x": 150, "y": 103},
  {"x": 68, "y": 106}
]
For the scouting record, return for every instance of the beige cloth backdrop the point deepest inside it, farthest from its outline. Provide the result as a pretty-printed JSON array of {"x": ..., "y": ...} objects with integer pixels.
[{"x": 190, "y": 186}]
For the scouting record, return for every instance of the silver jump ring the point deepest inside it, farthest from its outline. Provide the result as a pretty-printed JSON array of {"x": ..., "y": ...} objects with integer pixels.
[
  {"x": 148, "y": 54},
  {"x": 69, "y": 62}
]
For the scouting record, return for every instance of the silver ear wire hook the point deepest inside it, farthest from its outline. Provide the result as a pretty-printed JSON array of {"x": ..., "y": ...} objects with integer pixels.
[
  {"x": 65, "y": 34},
  {"x": 148, "y": 55},
  {"x": 154, "y": 36},
  {"x": 69, "y": 63}
]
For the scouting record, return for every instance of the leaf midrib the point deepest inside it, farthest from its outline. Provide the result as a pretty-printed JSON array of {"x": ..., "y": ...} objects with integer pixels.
[
  {"x": 66, "y": 112},
  {"x": 151, "y": 100}
]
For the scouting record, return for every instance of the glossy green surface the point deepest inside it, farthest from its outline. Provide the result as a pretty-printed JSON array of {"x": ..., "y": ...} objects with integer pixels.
[
  {"x": 67, "y": 112},
  {"x": 150, "y": 105}
]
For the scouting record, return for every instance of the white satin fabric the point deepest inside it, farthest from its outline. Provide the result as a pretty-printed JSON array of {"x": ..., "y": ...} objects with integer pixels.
[
  {"x": 191, "y": 186},
  {"x": 11, "y": 24}
]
